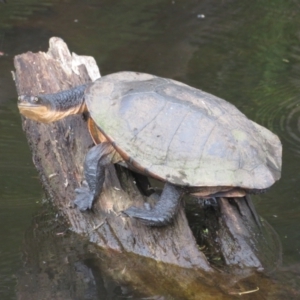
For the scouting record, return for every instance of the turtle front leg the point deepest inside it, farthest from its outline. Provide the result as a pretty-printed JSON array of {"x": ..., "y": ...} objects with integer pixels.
[
  {"x": 163, "y": 212},
  {"x": 97, "y": 158}
]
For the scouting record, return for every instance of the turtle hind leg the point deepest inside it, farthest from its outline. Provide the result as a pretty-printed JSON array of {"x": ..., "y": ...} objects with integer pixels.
[
  {"x": 163, "y": 212},
  {"x": 97, "y": 158}
]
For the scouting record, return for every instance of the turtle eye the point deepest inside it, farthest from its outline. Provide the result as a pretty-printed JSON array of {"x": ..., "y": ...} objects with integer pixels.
[
  {"x": 28, "y": 99},
  {"x": 35, "y": 100}
]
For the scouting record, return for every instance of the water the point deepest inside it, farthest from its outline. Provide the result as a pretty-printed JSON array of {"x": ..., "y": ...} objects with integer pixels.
[
  {"x": 247, "y": 53},
  {"x": 19, "y": 190}
]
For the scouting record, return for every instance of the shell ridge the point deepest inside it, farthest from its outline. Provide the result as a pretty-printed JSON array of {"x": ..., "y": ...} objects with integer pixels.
[
  {"x": 179, "y": 125},
  {"x": 136, "y": 134},
  {"x": 203, "y": 146},
  {"x": 135, "y": 93}
]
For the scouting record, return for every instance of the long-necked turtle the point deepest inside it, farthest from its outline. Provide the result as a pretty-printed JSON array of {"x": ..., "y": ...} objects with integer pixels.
[{"x": 192, "y": 140}]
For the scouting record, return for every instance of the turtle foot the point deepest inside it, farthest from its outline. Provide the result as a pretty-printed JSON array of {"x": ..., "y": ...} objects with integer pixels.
[
  {"x": 164, "y": 210},
  {"x": 84, "y": 198},
  {"x": 148, "y": 217}
]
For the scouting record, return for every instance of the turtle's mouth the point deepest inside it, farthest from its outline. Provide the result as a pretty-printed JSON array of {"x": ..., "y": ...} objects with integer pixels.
[
  {"x": 36, "y": 112},
  {"x": 28, "y": 105}
]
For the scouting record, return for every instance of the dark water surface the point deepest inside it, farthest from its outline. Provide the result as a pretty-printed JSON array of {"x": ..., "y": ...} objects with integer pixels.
[{"x": 245, "y": 52}]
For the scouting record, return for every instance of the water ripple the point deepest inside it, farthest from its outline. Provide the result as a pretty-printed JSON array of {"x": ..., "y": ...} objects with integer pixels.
[{"x": 283, "y": 119}]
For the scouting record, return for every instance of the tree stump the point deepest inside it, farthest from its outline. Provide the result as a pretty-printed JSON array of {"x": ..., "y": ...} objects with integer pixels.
[{"x": 58, "y": 150}]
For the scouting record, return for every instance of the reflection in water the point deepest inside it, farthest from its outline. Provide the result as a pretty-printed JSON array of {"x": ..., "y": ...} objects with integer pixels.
[
  {"x": 280, "y": 109},
  {"x": 21, "y": 10},
  {"x": 61, "y": 265}
]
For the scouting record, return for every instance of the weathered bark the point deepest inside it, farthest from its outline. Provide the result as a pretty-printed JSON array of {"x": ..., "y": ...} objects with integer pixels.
[{"x": 58, "y": 152}]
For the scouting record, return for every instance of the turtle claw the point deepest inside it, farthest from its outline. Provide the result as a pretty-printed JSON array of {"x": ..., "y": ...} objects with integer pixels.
[{"x": 84, "y": 198}]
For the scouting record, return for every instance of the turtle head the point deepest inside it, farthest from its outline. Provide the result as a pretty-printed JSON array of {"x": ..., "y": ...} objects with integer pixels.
[
  {"x": 48, "y": 108},
  {"x": 37, "y": 108}
]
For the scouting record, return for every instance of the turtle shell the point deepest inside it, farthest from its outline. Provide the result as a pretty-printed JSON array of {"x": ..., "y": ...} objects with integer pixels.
[{"x": 181, "y": 134}]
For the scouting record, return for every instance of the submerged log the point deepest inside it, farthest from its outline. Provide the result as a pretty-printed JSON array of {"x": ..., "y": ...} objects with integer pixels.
[{"x": 235, "y": 231}]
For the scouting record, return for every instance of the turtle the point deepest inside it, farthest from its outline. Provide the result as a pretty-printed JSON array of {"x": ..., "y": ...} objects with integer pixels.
[{"x": 192, "y": 141}]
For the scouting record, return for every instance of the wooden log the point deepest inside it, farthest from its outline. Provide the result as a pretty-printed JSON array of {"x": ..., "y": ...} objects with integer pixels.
[{"x": 58, "y": 151}]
